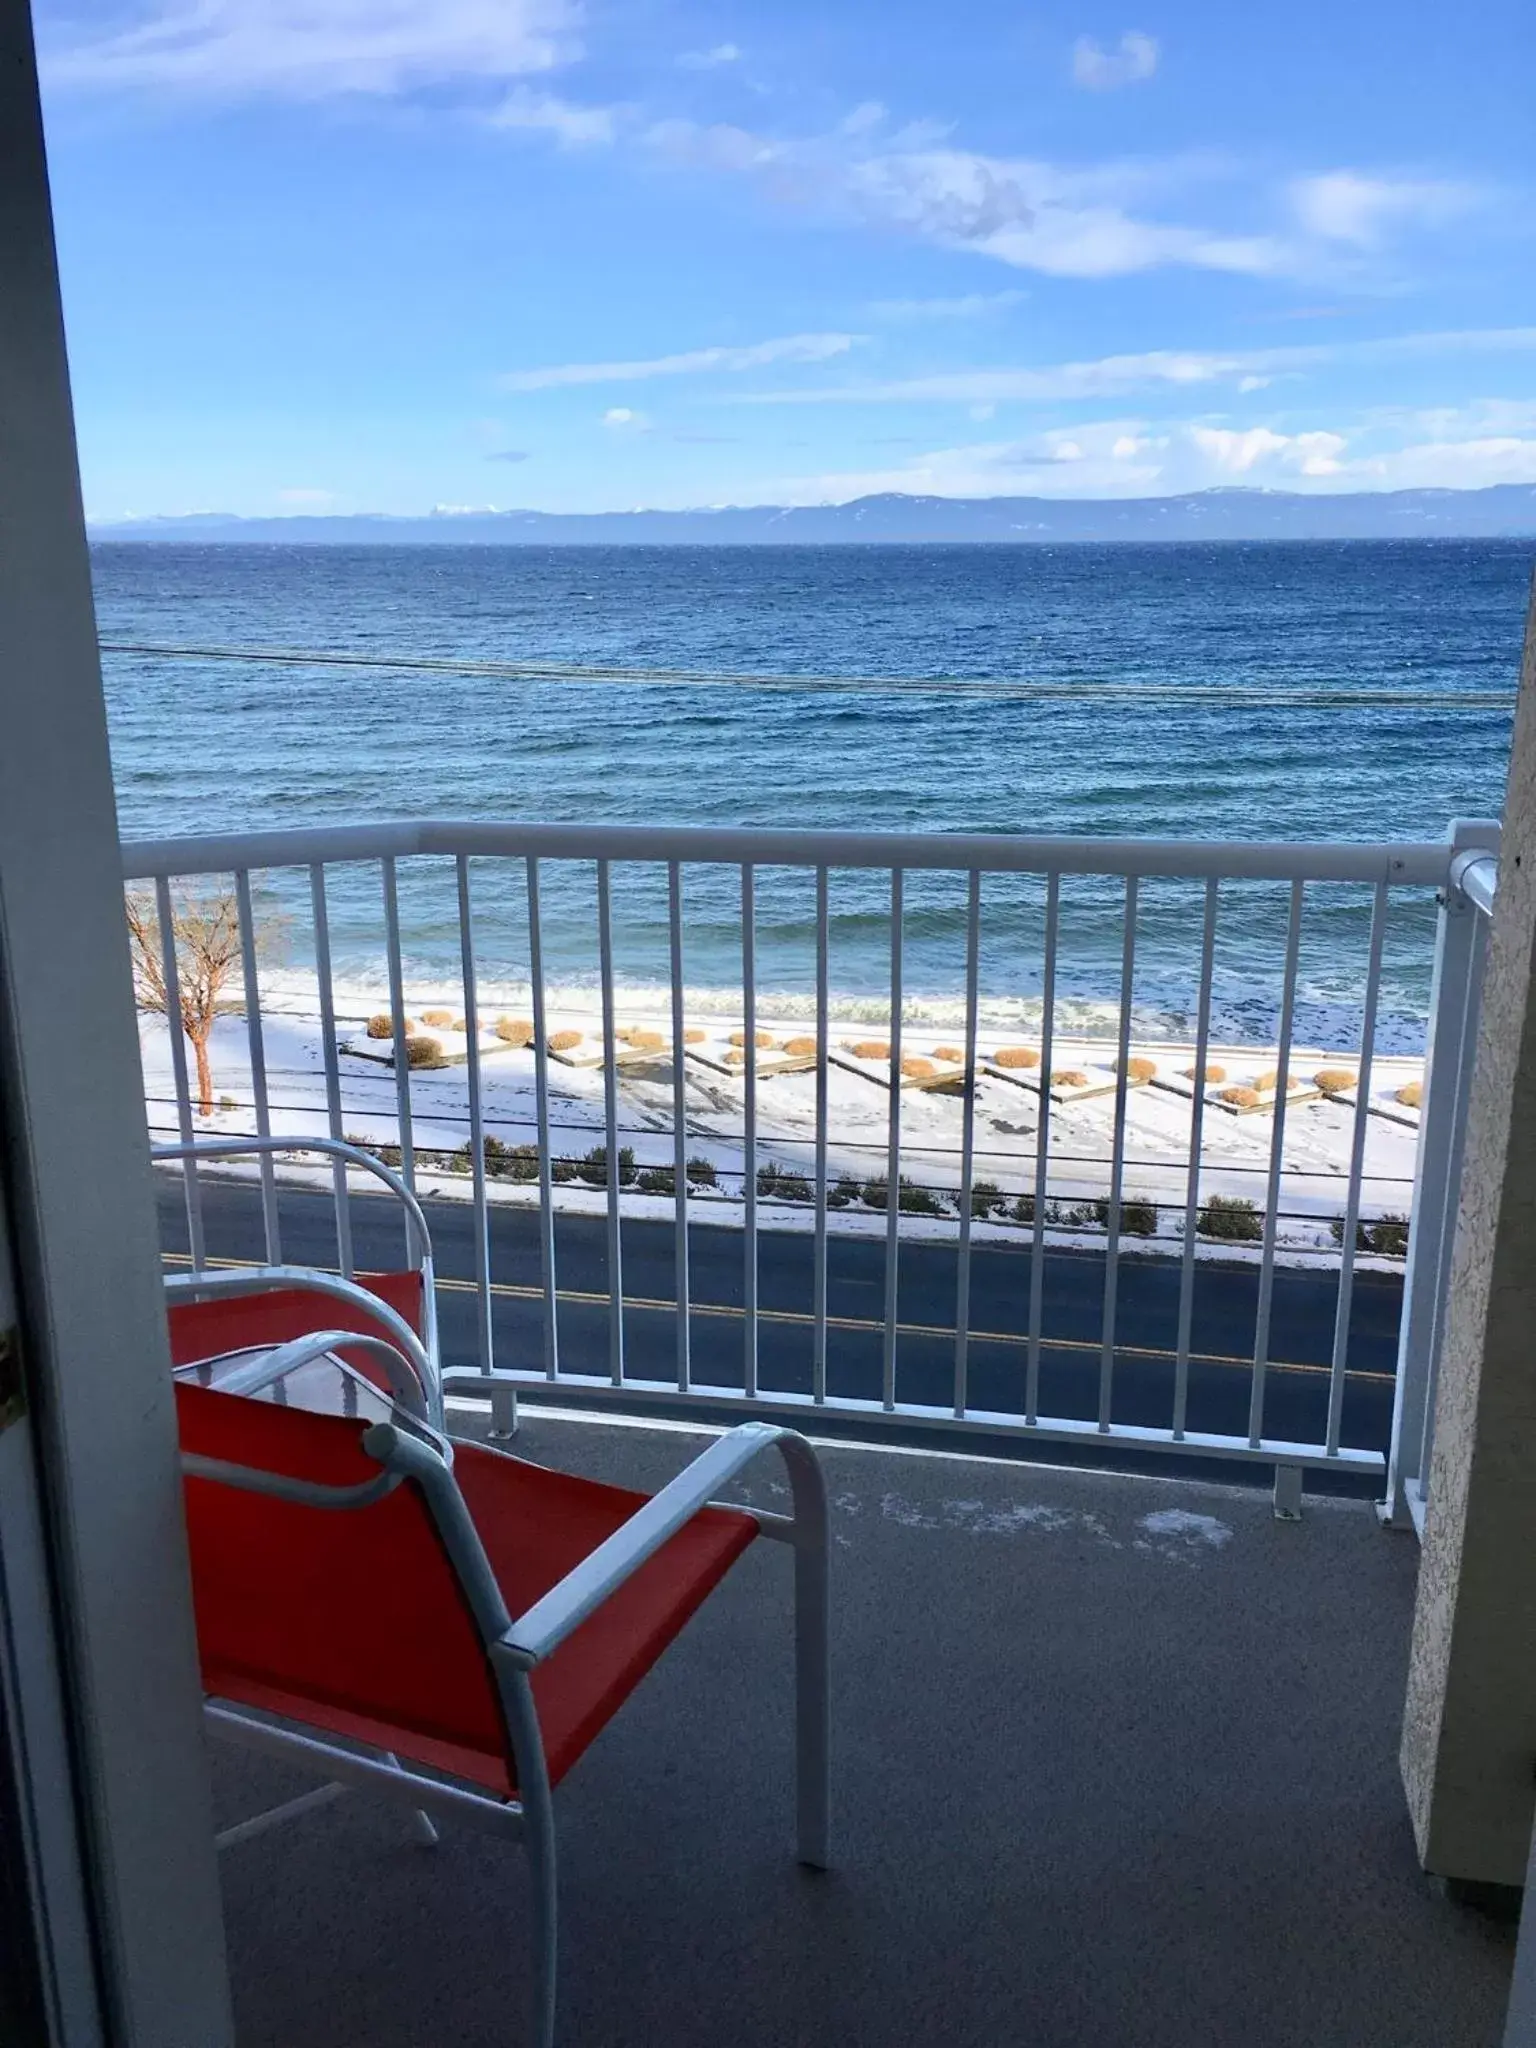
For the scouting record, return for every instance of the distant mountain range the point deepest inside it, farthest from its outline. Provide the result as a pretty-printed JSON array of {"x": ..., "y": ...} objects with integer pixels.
[{"x": 1502, "y": 510}]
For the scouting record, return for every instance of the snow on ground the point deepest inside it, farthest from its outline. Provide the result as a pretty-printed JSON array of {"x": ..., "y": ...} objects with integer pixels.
[{"x": 1235, "y": 1149}]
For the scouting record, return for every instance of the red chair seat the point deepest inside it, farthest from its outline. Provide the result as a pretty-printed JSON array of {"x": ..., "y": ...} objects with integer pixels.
[{"x": 351, "y": 1621}]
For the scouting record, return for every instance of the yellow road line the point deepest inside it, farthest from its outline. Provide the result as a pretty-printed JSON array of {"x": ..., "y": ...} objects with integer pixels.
[{"x": 591, "y": 1298}]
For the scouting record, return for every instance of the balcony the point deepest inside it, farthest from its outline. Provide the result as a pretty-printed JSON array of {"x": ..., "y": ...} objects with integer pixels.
[
  {"x": 1115, "y": 1762},
  {"x": 1116, "y": 1748}
]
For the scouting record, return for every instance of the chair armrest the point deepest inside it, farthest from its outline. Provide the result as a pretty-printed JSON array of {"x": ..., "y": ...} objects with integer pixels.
[
  {"x": 545, "y": 1625},
  {"x": 269, "y": 1364}
]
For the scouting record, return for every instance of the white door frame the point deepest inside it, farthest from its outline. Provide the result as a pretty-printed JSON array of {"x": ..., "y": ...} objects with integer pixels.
[{"x": 77, "y": 1184}]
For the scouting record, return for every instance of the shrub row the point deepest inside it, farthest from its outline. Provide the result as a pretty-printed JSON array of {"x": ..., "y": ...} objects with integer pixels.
[{"x": 1227, "y": 1219}]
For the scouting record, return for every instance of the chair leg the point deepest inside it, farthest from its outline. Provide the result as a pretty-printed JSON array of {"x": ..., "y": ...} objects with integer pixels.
[
  {"x": 423, "y": 1827},
  {"x": 540, "y": 1840},
  {"x": 537, "y": 1802},
  {"x": 813, "y": 1768}
]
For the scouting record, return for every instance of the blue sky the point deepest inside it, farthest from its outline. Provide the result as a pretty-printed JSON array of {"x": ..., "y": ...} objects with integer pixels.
[{"x": 334, "y": 255}]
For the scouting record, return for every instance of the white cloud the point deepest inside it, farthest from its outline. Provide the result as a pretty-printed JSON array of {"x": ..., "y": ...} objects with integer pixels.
[
  {"x": 1059, "y": 463},
  {"x": 1100, "y": 70},
  {"x": 1050, "y": 382},
  {"x": 1449, "y": 465},
  {"x": 309, "y": 49},
  {"x": 575, "y": 127},
  {"x": 624, "y": 419},
  {"x": 865, "y": 119},
  {"x": 1234, "y": 452},
  {"x": 714, "y": 146},
  {"x": 1153, "y": 369},
  {"x": 789, "y": 348},
  {"x": 1481, "y": 418},
  {"x": 1028, "y": 214},
  {"x": 1132, "y": 458},
  {"x": 710, "y": 60},
  {"x": 969, "y": 306},
  {"x": 1084, "y": 221},
  {"x": 1358, "y": 210},
  {"x": 1036, "y": 216}
]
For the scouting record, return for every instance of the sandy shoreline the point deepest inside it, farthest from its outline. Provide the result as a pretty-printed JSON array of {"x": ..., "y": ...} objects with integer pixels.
[{"x": 1236, "y": 1146}]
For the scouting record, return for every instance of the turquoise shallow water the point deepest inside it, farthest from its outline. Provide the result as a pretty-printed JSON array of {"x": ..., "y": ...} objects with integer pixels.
[{"x": 1356, "y": 690}]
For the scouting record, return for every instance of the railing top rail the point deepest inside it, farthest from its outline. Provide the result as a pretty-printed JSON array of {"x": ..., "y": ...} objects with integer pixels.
[
  {"x": 1400, "y": 863},
  {"x": 1476, "y": 874}
]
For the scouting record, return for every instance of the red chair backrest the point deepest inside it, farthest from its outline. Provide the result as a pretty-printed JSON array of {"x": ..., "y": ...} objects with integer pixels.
[
  {"x": 358, "y": 1609},
  {"x": 203, "y": 1329}
]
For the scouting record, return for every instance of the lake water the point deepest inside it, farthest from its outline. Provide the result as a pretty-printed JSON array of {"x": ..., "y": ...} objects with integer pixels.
[{"x": 1349, "y": 690}]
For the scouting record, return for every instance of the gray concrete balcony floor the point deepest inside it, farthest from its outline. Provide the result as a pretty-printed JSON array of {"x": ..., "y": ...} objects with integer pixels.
[{"x": 1115, "y": 1763}]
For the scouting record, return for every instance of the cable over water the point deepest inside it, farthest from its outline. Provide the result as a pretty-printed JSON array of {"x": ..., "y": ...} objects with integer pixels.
[{"x": 1011, "y": 689}]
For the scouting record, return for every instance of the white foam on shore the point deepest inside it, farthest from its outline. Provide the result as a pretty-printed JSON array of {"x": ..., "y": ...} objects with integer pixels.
[{"x": 1322, "y": 1017}]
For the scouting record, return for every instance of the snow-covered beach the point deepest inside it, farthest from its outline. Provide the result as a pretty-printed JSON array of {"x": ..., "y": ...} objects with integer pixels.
[{"x": 1236, "y": 1140}]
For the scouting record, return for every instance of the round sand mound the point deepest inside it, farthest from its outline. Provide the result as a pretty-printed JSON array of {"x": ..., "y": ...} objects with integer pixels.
[
  {"x": 1334, "y": 1080},
  {"x": 1023, "y": 1056}
]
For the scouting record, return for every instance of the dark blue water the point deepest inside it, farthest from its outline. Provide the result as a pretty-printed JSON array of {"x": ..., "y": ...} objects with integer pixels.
[{"x": 1348, "y": 690}]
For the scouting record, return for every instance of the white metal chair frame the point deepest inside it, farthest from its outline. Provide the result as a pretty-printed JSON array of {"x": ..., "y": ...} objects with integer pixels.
[
  {"x": 204, "y": 1283},
  {"x": 515, "y": 1647}
]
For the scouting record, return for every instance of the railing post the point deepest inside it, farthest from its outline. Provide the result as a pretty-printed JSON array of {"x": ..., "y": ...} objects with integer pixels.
[{"x": 1455, "y": 1002}]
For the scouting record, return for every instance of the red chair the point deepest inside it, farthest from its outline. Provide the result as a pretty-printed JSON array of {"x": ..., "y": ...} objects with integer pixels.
[
  {"x": 523, "y": 1607},
  {"x": 216, "y": 1311}
]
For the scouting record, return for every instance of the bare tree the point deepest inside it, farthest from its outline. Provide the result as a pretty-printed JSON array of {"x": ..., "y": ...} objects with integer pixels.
[{"x": 206, "y": 931}]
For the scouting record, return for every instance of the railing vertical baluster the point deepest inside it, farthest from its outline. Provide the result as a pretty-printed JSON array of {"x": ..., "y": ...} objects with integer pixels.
[
  {"x": 679, "y": 1123},
  {"x": 749, "y": 1128},
  {"x": 272, "y": 1225},
  {"x": 541, "y": 1113},
  {"x": 1117, "y": 1159},
  {"x": 893, "y": 1154},
  {"x": 1356, "y": 1171},
  {"x": 1042, "y": 1148},
  {"x": 1196, "y": 1143},
  {"x": 1276, "y": 1169},
  {"x": 170, "y": 974},
  {"x": 611, "y": 1127},
  {"x": 967, "y": 1142},
  {"x": 482, "y": 1214},
  {"x": 397, "y": 1041},
  {"x": 332, "y": 1062},
  {"x": 819, "y": 1254}
]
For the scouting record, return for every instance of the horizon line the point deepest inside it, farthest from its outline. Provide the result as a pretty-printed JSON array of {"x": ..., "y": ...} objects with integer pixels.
[{"x": 448, "y": 515}]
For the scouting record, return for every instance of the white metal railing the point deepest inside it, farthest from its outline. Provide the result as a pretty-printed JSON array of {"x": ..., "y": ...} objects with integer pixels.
[{"x": 467, "y": 858}]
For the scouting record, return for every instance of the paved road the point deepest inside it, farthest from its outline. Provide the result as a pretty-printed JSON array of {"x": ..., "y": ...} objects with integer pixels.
[{"x": 1225, "y": 1309}]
